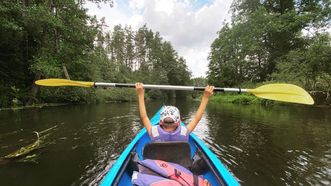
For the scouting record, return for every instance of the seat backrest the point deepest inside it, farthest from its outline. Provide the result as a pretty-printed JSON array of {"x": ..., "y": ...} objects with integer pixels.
[{"x": 176, "y": 151}]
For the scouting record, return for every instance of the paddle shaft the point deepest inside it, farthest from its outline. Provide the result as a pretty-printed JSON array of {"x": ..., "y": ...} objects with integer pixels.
[{"x": 168, "y": 87}]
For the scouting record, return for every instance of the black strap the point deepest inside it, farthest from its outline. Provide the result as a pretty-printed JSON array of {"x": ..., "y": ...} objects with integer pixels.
[
  {"x": 195, "y": 180},
  {"x": 239, "y": 90},
  {"x": 177, "y": 173}
]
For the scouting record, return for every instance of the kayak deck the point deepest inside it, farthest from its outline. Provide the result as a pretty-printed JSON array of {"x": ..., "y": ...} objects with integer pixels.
[{"x": 121, "y": 172}]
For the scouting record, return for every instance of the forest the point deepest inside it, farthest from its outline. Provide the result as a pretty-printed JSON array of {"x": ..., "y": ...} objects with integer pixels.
[
  {"x": 274, "y": 41},
  {"x": 265, "y": 41},
  {"x": 57, "y": 39}
]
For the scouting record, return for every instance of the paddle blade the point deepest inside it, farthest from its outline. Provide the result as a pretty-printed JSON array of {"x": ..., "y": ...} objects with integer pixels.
[
  {"x": 63, "y": 82},
  {"x": 283, "y": 92}
]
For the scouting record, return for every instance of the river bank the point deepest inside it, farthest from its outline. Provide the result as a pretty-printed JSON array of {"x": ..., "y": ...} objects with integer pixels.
[
  {"x": 34, "y": 106},
  {"x": 121, "y": 95},
  {"x": 321, "y": 98}
]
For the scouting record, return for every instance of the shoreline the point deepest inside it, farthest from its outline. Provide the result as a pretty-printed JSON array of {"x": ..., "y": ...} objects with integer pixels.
[
  {"x": 34, "y": 106},
  {"x": 242, "y": 99},
  {"x": 246, "y": 99}
]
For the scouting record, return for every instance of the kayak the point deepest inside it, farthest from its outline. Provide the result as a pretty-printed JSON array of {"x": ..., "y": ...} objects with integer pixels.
[{"x": 195, "y": 153}]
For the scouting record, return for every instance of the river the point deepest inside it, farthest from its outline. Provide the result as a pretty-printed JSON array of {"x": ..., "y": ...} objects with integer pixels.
[{"x": 277, "y": 145}]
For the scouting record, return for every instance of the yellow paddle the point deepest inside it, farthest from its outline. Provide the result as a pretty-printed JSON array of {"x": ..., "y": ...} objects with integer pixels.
[
  {"x": 63, "y": 82},
  {"x": 279, "y": 92}
]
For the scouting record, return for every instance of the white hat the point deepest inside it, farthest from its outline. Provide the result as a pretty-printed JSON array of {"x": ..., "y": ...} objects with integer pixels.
[{"x": 169, "y": 114}]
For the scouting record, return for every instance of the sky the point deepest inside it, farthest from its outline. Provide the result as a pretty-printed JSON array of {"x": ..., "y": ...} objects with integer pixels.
[{"x": 190, "y": 25}]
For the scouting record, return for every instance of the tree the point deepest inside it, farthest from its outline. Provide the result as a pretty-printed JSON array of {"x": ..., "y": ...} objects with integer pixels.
[
  {"x": 309, "y": 67},
  {"x": 57, "y": 39},
  {"x": 44, "y": 39},
  {"x": 260, "y": 34}
]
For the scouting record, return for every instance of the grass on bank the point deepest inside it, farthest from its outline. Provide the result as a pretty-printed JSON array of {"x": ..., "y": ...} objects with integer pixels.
[{"x": 244, "y": 99}]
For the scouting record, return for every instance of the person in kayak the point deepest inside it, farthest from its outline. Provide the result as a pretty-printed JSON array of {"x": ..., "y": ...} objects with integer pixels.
[{"x": 169, "y": 128}]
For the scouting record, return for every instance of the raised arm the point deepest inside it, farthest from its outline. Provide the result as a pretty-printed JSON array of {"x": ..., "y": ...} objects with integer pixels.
[
  {"x": 204, "y": 101},
  {"x": 142, "y": 109}
]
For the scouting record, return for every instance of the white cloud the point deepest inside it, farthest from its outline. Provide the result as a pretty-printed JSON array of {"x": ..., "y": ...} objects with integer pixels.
[
  {"x": 113, "y": 15},
  {"x": 190, "y": 25},
  {"x": 135, "y": 21}
]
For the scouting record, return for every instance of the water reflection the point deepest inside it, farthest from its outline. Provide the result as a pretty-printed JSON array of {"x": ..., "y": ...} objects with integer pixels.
[
  {"x": 258, "y": 143},
  {"x": 285, "y": 145}
]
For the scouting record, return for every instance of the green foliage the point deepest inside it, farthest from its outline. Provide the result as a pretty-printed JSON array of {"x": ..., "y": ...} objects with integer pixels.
[
  {"x": 67, "y": 95},
  {"x": 57, "y": 39},
  {"x": 38, "y": 40},
  {"x": 237, "y": 99},
  {"x": 265, "y": 39},
  {"x": 155, "y": 94},
  {"x": 142, "y": 56},
  {"x": 17, "y": 95},
  {"x": 309, "y": 67},
  {"x": 243, "y": 99},
  {"x": 114, "y": 95}
]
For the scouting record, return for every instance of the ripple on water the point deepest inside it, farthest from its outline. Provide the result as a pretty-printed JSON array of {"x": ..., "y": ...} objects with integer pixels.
[
  {"x": 109, "y": 146},
  {"x": 312, "y": 170},
  {"x": 225, "y": 153}
]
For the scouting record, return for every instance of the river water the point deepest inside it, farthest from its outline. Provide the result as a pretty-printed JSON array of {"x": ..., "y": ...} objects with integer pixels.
[{"x": 279, "y": 145}]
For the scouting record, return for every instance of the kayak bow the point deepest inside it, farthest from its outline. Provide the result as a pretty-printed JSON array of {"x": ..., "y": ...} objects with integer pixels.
[{"x": 121, "y": 172}]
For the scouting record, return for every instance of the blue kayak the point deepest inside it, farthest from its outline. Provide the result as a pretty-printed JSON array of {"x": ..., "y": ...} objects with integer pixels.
[{"x": 208, "y": 164}]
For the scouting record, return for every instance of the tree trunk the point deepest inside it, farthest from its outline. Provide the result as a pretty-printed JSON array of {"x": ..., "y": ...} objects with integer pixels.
[
  {"x": 66, "y": 74},
  {"x": 34, "y": 90}
]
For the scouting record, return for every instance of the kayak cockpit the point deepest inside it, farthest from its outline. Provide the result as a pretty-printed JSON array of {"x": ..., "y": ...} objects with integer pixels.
[
  {"x": 186, "y": 154},
  {"x": 176, "y": 152}
]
